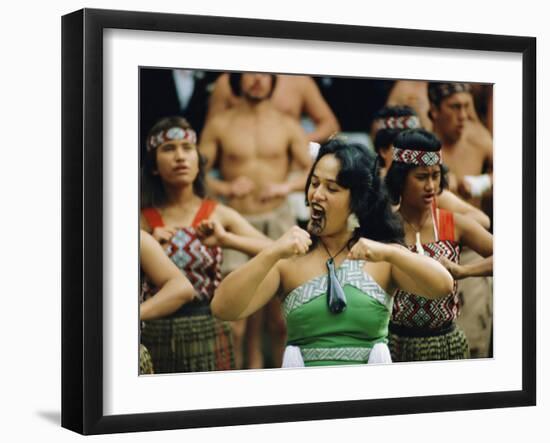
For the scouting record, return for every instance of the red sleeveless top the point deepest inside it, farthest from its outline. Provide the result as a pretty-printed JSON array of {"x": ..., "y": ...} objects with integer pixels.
[
  {"x": 412, "y": 310},
  {"x": 201, "y": 264}
]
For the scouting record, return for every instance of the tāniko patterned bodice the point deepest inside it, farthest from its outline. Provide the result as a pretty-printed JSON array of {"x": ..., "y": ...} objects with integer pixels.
[
  {"x": 201, "y": 264},
  {"x": 325, "y": 338},
  {"x": 411, "y": 310}
]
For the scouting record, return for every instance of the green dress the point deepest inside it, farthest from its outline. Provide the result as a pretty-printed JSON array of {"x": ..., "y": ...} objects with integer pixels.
[{"x": 326, "y": 339}]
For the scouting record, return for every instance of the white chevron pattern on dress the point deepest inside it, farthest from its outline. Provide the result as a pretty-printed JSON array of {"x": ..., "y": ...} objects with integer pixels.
[{"x": 350, "y": 272}]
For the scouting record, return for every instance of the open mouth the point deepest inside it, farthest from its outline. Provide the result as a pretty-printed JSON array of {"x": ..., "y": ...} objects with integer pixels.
[
  {"x": 428, "y": 197},
  {"x": 317, "y": 219},
  {"x": 317, "y": 212}
]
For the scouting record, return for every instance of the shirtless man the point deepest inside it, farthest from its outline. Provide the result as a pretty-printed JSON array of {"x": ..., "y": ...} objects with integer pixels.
[
  {"x": 468, "y": 152},
  {"x": 414, "y": 93},
  {"x": 294, "y": 95},
  {"x": 254, "y": 144}
]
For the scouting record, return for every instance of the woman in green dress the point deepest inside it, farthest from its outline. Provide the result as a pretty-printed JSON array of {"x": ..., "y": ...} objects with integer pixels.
[{"x": 336, "y": 277}]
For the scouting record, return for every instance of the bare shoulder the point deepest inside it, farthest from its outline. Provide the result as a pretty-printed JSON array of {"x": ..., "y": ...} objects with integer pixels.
[
  {"x": 307, "y": 84},
  {"x": 224, "y": 214},
  {"x": 220, "y": 120},
  {"x": 459, "y": 218},
  {"x": 222, "y": 82},
  {"x": 461, "y": 221},
  {"x": 445, "y": 199},
  {"x": 292, "y": 82},
  {"x": 479, "y": 135},
  {"x": 380, "y": 273},
  {"x": 464, "y": 225},
  {"x": 292, "y": 271},
  {"x": 399, "y": 88},
  {"x": 287, "y": 264},
  {"x": 402, "y": 90}
]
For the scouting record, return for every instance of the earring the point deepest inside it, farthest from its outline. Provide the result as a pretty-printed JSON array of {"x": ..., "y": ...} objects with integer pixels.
[{"x": 352, "y": 222}]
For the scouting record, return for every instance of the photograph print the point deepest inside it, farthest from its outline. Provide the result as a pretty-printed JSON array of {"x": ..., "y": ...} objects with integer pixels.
[{"x": 297, "y": 221}]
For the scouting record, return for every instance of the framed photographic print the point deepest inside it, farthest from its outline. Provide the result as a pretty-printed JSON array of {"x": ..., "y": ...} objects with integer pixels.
[{"x": 123, "y": 71}]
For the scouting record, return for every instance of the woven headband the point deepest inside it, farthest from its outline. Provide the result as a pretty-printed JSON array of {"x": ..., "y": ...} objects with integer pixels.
[
  {"x": 402, "y": 122},
  {"x": 173, "y": 133},
  {"x": 439, "y": 91},
  {"x": 416, "y": 157}
]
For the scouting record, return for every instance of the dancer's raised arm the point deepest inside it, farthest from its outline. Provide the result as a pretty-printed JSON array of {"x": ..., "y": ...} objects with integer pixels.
[
  {"x": 252, "y": 285},
  {"x": 409, "y": 272}
]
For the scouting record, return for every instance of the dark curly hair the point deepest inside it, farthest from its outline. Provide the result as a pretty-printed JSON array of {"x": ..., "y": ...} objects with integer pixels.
[
  {"x": 152, "y": 189},
  {"x": 412, "y": 139},
  {"x": 368, "y": 197},
  {"x": 235, "y": 83}
]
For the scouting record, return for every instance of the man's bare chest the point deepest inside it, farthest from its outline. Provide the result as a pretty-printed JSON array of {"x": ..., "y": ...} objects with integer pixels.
[
  {"x": 464, "y": 159},
  {"x": 261, "y": 140}
]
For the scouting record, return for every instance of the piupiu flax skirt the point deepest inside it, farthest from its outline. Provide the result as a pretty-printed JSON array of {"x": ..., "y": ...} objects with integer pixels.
[
  {"x": 191, "y": 343},
  {"x": 145, "y": 362},
  {"x": 408, "y": 344}
]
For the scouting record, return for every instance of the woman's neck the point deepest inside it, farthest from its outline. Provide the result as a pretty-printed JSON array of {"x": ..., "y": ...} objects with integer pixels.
[
  {"x": 181, "y": 197},
  {"x": 415, "y": 216},
  {"x": 335, "y": 243}
]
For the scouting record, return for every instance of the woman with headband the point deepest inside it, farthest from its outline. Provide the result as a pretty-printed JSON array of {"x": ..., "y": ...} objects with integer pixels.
[
  {"x": 336, "y": 278},
  {"x": 387, "y": 124},
  {"x": 423, "y": 328},
  {"x": 192, "y": 231}
]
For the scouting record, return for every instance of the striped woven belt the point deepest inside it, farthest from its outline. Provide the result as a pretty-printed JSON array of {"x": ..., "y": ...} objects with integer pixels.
[
  {"x": 336, "y": 354},
  {"x": 406, "y": 331},
  {"x": 190, "y": 309}
]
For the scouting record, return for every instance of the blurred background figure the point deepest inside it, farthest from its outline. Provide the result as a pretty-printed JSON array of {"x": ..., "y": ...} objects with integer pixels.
[
  {"x": 467, "y": 146},
  {"x": 414, "y": 93},
  {"x": 295, "y": 95}
]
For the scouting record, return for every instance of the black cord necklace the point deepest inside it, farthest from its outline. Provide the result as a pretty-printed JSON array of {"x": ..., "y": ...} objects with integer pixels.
[{"x": 336, "y": 298}]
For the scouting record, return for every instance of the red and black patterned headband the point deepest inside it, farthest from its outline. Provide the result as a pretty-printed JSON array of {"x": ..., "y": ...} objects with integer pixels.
[
  {"x": 173, "y": 133},
  {"x": 440, "y": 91},
  {"x": 417, "y": 157},
  {"x": 402, "y": 122}
]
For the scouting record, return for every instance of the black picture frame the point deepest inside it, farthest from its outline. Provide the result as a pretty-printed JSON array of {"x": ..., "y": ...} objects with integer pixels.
[{"x": 82, "y": 218}]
